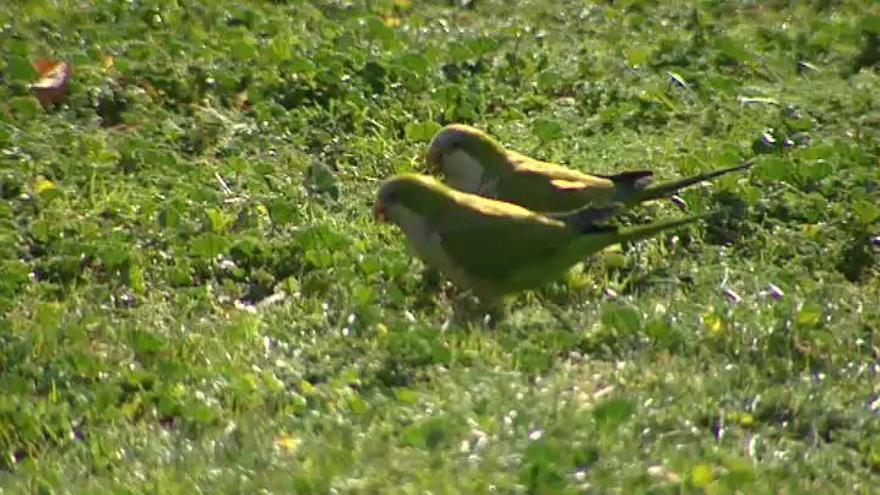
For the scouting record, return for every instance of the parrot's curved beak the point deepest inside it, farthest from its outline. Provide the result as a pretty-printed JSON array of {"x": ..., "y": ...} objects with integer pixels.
[{"x": 379, "y": 212}]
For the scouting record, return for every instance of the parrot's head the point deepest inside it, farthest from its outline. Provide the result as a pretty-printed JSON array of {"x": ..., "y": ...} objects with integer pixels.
[
  {"x": 463, "y": 155},
  {"x": 405, "y": 196}
]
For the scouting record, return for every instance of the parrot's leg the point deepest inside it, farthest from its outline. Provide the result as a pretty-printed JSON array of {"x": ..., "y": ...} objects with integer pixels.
[
  {"x": 469, "y": 309},
  {"x": 432, "y": 280},
  {"x": 493, "y": 312},
  {"x": 465, "y": 308},
  {"x": 491, "y": 308},
  {"x": 432, "y": 286}
]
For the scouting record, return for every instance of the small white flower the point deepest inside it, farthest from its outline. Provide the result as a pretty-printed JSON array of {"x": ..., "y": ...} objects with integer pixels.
[{"x": 482, "y": 441}]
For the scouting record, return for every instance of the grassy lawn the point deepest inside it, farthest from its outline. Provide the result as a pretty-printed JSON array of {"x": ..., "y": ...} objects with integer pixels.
[{"x": 194, "y": 297}]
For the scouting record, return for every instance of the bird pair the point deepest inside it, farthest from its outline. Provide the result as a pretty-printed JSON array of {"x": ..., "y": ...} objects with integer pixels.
[{"x": 504, "y": 222}]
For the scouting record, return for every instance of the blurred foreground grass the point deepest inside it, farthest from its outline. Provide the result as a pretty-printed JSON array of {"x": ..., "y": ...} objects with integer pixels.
[{"x": 193, "y": 296}]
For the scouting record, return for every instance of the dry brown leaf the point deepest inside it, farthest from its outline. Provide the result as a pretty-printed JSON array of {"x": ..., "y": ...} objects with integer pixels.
[
  {"x": 242, "y": 101},
  {"x": 52, "y": 84}
]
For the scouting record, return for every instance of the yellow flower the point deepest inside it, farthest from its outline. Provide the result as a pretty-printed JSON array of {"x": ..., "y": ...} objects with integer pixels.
[
  {"x": 287, "y": 442},
  {"x": 713, "y": 323},
  {"x": 43, "y": 184}
]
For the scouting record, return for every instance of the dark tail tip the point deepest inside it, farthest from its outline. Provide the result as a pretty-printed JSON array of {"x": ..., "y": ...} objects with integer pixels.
[
  {"x": 667, "y": 188},
  {"x": 594, "y": 228},
  {"x": 590, "y": 219},
  {"x": 634, "y": 180}
]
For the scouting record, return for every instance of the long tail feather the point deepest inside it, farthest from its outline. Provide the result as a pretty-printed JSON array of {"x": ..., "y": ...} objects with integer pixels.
[
  {"x": 633, "y": 181},
  {"x": 598, "y": 237},
  {"x": 632, "y": 234},
  {"x": 589, "y": 219},
  {"x": 668, "y": 188}
]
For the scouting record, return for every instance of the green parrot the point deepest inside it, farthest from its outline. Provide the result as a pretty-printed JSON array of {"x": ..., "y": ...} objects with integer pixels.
[
  {"x": 471, "y": 161},
  {"x": 495, "y": 248}
]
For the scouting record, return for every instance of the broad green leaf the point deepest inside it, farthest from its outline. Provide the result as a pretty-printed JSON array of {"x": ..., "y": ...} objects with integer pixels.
[
  {"x": 208, "y": 245},
  {"x": 624, "y": 319},
  {"x": 612, "y": 413},
  {"x": 866, "y": 212},
  {"x": 547, "y": 129},
  {"x": 25, "y": 107},
  {"x": 421, "y": 131},
  {"x": 321, "y": 179},
  {"x": 20, "y": 69},
  {"x": 733, "y": 49},
  {"x": 416, "y": 62}
]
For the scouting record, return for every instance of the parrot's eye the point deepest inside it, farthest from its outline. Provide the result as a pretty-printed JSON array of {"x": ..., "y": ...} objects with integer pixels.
[{"x": 449, "y": 141}]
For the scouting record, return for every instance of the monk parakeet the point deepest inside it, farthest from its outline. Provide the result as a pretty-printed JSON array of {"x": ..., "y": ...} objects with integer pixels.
[
  {"x": 495, "y": 248},
  {"x": 471, "y": 161}
]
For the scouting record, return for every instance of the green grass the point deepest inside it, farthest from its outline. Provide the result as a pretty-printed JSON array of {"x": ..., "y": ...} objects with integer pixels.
[{"x": 194, "y": 297}]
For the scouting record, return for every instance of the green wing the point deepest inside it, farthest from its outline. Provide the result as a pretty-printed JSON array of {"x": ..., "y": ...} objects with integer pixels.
[
  {"x": 493, "y": 240},
  {"x": 543, "y": 193},
  {"x": 543, "y": 186}
]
